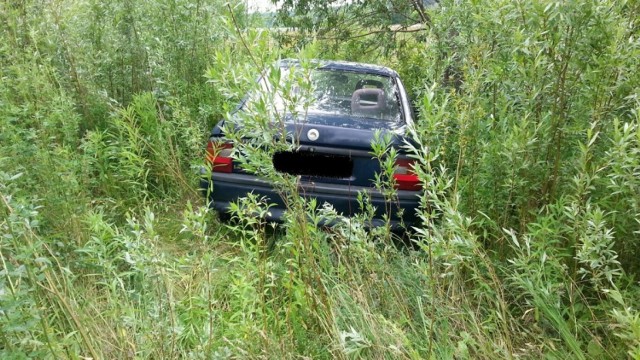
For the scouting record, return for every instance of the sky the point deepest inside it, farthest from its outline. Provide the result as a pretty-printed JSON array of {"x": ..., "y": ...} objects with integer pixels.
[
  {"x": 267, "y": 5},
  {"x": 260, "y": 5}
]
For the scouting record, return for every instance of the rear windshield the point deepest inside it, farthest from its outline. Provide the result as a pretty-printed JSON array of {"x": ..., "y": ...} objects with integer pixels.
[{"x": 347, "y": 93}]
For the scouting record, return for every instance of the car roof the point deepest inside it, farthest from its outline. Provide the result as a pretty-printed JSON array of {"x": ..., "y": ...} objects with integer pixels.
[{"x": 344, "y": 66}]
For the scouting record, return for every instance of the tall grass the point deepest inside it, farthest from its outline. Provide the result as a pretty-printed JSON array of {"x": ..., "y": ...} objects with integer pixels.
[{"x": 528, "y": 144}]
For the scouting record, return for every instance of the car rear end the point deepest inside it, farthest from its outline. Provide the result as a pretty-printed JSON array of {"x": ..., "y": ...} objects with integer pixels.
[{"x": 333, "y": 160}]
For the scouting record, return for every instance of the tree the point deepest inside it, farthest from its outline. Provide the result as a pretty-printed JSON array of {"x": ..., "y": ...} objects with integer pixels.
[{"x": 337, "y": 21}]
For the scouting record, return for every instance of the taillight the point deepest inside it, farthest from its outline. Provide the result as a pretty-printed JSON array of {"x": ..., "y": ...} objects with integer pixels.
[
  {"x": 219, "y": 156},
  {"x": 404, "y": 176}
]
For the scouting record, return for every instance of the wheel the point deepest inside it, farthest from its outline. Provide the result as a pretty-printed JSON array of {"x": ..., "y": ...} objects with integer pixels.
[{"x": 224, "y": 217}]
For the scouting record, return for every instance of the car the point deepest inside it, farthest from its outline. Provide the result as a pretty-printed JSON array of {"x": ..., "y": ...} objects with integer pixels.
[{"x": 351, "y": 103}]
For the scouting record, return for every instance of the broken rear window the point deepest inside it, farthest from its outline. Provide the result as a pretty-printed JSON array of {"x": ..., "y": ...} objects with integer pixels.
[{"x": 337, "y": 92}]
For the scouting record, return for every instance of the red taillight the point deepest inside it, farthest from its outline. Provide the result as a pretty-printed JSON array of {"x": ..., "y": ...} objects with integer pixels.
[
  {"x": 219, "y": 156},
  {"x": 404, "y": 176}
]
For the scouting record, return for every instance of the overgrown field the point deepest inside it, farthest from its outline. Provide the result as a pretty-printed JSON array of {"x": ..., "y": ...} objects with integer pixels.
[{"x": 530, "y": 159}]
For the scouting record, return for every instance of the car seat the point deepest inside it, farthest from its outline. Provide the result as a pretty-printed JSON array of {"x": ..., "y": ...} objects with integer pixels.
[
  {"x": 368, "y": 83},
  {"x": 368, "y": 102}
]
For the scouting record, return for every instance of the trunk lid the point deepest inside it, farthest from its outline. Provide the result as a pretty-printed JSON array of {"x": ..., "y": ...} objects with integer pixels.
[{"x": 335, "y": 149}]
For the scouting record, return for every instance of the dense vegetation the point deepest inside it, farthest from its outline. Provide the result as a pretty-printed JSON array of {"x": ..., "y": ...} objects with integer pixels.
[{"x": 530, "y": 156}]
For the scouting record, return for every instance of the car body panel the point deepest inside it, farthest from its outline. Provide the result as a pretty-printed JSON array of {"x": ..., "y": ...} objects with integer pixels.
[{"x": 228, "y": 188}]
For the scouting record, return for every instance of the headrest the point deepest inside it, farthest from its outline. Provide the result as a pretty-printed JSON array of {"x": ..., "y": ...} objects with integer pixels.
[{"x": 367, "y": 102}]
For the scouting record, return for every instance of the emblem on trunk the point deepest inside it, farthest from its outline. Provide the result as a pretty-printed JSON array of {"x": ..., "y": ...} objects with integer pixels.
[{"x": 313, "y": 134}]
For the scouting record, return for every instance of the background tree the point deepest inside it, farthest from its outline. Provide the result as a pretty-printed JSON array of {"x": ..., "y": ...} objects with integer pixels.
[{"x": 335, "y": 23}]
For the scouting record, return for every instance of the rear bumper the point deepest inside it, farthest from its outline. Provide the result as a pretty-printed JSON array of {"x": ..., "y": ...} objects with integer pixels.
[{"x": 224, "y": 188}]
